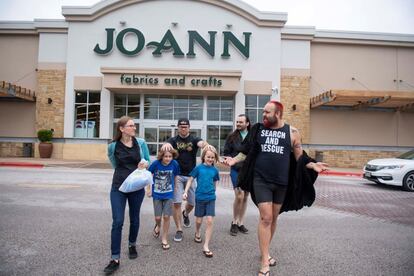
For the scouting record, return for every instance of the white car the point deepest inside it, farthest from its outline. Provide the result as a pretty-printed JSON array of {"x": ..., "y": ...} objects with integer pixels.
[{"x": 393, "y": 171}]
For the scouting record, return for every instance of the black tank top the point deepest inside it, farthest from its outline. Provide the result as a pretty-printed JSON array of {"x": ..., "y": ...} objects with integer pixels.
[{"x": 272, "y": 163}]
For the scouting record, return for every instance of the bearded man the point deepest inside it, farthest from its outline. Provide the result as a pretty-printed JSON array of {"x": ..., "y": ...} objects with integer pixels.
[{"x": 267, "y": 173}]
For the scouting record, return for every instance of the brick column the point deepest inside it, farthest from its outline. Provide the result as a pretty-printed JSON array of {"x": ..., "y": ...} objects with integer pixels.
[
  {"x": 295, "y": 90},
  {"x": 51, "y": 84}
]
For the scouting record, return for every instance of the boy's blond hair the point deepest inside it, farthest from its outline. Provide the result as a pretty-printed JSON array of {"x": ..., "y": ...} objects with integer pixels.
[{"x": 213, "y": 150}]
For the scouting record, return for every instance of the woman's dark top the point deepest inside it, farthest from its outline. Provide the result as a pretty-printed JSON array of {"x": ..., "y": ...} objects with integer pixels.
[{"x": 127, "y": 159}]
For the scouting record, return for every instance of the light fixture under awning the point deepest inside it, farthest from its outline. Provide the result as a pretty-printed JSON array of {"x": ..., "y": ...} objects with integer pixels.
[{"x": 356, "y": 99}]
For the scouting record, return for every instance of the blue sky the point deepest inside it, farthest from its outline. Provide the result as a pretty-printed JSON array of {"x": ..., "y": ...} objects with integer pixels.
[{"x": 388, "y": 16}]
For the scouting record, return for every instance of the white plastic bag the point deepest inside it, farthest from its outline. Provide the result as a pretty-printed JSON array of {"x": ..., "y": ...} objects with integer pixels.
[{"x": 136, "y": 180}]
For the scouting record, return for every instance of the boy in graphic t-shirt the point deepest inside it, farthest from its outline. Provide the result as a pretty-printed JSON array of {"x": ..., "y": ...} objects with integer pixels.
[{"x": 165, "y": 171}]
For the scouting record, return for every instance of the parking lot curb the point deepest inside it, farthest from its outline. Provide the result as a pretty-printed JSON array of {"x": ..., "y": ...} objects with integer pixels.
[
  {"x": 21, "y": 164},
  {"x": 338, "y": 173}
]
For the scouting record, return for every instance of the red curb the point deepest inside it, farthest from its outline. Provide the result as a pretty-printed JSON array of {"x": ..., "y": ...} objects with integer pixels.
[
  {"x": 352, "y": 174},
  {"x": 21, "y": 164}
]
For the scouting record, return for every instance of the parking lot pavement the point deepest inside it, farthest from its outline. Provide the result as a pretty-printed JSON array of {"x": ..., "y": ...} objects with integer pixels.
[
  {"x": 56, "y": 221},
  {"x": 365, "y": 198}
]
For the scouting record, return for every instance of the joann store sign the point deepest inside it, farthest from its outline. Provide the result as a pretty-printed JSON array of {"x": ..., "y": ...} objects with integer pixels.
[{"x": 169, "y": 43}]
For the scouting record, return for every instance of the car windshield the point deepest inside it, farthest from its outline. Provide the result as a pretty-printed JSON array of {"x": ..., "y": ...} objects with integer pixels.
[{"x": 408, "y": 155}]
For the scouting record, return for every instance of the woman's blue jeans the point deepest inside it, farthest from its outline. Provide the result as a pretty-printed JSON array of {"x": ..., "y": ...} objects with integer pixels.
[{"x": 118, "y": 203}]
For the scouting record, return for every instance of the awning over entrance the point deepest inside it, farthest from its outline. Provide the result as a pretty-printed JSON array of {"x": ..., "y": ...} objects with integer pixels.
[
  {"x": 396, "y": 100},
  {"x": 10, "y": 91}
]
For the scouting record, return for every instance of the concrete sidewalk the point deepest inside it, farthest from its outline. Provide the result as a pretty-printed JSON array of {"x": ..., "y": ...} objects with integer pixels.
[{"x": 100, "y": 164}]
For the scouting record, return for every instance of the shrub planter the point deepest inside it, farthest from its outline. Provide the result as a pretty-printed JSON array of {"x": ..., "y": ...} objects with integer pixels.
[
  {"x": 45, "y": 150},
  {"x": 45, "y": 145}
]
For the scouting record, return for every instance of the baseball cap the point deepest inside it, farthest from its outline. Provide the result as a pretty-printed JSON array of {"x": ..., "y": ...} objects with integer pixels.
[{"x": 183, "y": 122}]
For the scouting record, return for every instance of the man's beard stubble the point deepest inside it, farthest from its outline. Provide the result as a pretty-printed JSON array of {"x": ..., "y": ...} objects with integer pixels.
[{"x": 270, "y": 123}]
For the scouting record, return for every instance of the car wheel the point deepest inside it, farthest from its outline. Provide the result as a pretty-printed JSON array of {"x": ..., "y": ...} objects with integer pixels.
[{"x": 408, "y": 182}]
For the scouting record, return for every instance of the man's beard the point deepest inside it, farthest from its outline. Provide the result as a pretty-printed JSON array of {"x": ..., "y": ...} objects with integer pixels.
[{"x": 270, "y": 123}]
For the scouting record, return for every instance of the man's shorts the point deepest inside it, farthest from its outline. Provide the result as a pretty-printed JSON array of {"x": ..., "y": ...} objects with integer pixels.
[
  {"x": 205, "y": 208},
  {"x": 268, "y": 192},
  {"x": 179, "y": 190},
  {"x": 234, "y": 174},
  {"x": 162, "y": 207}
]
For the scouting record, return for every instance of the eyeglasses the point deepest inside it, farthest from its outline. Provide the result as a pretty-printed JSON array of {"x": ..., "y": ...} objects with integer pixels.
[{"x": 133, "y": 126}]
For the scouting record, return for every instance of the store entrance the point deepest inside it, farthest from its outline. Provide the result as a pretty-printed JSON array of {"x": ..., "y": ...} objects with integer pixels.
[{"x": 156, "y": 135}]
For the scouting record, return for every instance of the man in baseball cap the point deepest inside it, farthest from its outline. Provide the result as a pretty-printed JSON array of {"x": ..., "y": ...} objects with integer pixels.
[
  {"x": 187, "y": 146},
  {"x": 183, "y": 122}
]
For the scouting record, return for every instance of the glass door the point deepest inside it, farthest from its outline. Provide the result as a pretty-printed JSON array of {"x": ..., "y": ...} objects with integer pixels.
[{"x": 156, "y": 136}]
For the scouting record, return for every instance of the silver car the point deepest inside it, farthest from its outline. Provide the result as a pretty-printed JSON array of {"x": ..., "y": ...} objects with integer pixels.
[{"x": 393, "y": 171}]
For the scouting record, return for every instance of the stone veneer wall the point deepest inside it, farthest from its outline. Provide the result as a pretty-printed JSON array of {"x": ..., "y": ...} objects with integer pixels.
[
  {"x": 350, "y": 158},
  {"x": 11, "y": 149},
  {"x": 295, "y": 91},
  {"x": 51, "y": 84},
  {"x": 70, "y": 151}
]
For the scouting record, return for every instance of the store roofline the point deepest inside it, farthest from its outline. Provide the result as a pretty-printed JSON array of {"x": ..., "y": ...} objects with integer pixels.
[{"x": 264, "y": 19}]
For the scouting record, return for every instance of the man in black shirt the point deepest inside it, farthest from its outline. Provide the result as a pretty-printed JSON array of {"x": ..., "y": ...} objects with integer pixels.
[
  {"x": 187, "y": 146},
  {"x": 232, "y": 148},
  {"x": 272, "y": 144}
]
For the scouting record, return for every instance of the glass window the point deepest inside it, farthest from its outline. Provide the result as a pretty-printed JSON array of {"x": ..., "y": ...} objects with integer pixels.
[
  {"x": 126, "y": 104},
  {"x": 81, "y": 97},
  {"x": 254, "y": 106},
  {"x": 166, "y": 108},
  {"x": 220, "y": 109},
  {"x": 87, "y": 114},
  {"x": 216, "y": 136},
  {"x": 173, "y": 107}
]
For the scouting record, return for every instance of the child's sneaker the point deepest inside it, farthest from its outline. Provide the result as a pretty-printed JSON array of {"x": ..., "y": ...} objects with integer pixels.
[{"x": 186, "y": 219}]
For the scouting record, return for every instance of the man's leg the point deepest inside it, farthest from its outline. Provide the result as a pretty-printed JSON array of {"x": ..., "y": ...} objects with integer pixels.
[
  {"x": 189, "y": 206},
  {"x": 242, "y": 211},
  {"x": 178, "y": 194},
  {"x": 233, "y": 226},
  {"x": 276, "y": 210},
  {"x": 264, "y": 232}
]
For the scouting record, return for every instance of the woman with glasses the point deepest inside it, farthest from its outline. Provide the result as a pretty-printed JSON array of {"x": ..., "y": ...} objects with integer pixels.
[{"x": 126, "y": 153}]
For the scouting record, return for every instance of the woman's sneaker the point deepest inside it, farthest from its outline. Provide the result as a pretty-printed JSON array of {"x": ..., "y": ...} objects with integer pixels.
[
  {"x": 132, "y": 252},
  {"x": 111, "y": 267}
]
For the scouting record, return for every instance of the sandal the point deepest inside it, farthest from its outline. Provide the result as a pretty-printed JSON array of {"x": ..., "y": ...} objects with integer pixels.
[
  {"x": 267, "y": 273},
  {"x": 197, "y": 239},
  {"x": 208, "y": 253},
  {"x": 272, "y": 261},
  {"x": 165, "y": 246},
  {"x": 155, "y": 233}
]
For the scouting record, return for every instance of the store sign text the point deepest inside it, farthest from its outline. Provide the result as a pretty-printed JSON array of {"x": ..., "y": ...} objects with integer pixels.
[
  {"x": 169, "y": 43},
  {"x": 132, "y": 79}
]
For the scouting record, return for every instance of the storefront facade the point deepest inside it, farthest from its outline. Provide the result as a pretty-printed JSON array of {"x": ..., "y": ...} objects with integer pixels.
[{"x": 157, "y": 61}]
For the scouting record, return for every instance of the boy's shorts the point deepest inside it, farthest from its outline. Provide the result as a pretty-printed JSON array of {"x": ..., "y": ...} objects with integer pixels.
[
  {"x": 179, "y": 190},
  {"x": 205, "y": 208},
  {"x": 162, "y": 207}
]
